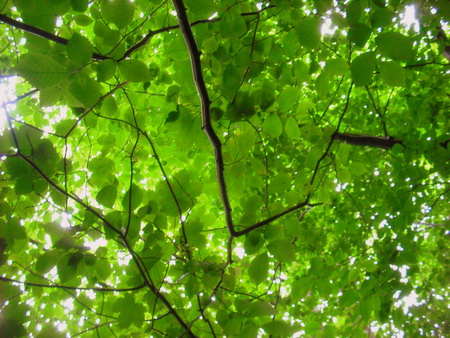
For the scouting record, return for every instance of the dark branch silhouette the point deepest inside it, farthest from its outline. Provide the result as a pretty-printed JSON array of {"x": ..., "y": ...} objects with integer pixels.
[
  {"x": 385, "y": 142},
  {"x": 55, "y": 38},
  {"x": 194, "y": 53},
  {"x": 57, "y": 286},
  {"x": 41, "y": 33}
]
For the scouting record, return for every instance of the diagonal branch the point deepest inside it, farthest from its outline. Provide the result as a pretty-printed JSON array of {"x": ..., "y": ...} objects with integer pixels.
[
  {"x": 275, "y": 217},
  {"x": 41, "y": 33},
  {"x": 194, "y": 53},
  {"x": 137, "y": 260},
  {"x": 151, "y": 33}
]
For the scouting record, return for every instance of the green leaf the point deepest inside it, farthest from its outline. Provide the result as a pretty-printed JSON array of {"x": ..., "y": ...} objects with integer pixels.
[
  {"x": 103, "y": 269},
  {"x": 312, "y": 327},
  {"x": 79, "y": 50},
  {"x": 349, "y": 297},
  {"x": 106, "y": 70},
  {"x": 131, "y": 203},
  {"x": 353, "y": 275},
  {"x": 41, "y": 70},
  {"x": 280, "y": 328},
  {"x": 291, "y": 128},
  {"x": 359, "y": 34},
  {"x": 282, "y": 249},
  {"x": 382, "y": 17},
  {"x": 46, "y": 261},
  {"x": 83, "y": 20},
  {"x": 107, "y": 196},
  {"x": 308, "y": 32},
  {"x": 393, "y": 74},
  {"x": 362, "y": 68},
  {"x": 79, "y": 5},
  {"x": 85, "y": 90},
  {"x": 67, "y": 267},
  {"x": 395, "y": 46},
  {"x": 173, "y": 116},
  {"x": 316, "y": 266},
  {"x": 23, "y": 186},
  {"x": 134, "y": 70},
  {"x": 202, "y": 8},
  {"x": 260, "y": 309},
  {"x": 231, "y": 81},
  {"x": 120, "y": 12},
  {"x": 323, "y": 85},
  {"x": 288, "y": 98},
  {"x": 336, "y": 67},
  {"x": 354, "y": 11},
  {"x": 272, "y": 125},
  {"x": 253, "y": 242},
  {"x": 259, "y": 268},
  {"x": 232, "y": 25},
  {"x": 100, "y": 28}
]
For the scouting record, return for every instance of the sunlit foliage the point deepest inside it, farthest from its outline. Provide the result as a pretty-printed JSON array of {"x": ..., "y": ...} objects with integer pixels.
[{"x": 222, "y": 168}]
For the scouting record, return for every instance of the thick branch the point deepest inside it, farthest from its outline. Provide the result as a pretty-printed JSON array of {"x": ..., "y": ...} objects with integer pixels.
[
  {"x": 41, "y": 33},
  {"x": 385, "y": 142},
  {"x": 205, "y": 104},
  {"x": 57, "y": 286}
]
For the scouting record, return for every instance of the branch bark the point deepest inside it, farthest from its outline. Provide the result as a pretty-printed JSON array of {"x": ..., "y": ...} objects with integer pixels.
[
  {"x": 41, "y": 33},
  {"x": 385, "y": 142},
  {"x": 196, "y": 66}
]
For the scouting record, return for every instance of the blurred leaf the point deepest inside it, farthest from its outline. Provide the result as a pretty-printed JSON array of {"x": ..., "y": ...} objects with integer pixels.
[
  {"x": 79, "y": 50},
  {"x": 134, "y": 70},
  {"x": 308, "y": 32},
  {"x": 120, "y": 12},
  {"x": 259, "y": 268},
  {"x": 362, "y": 68},
  {"x": 395, "y": 45}
]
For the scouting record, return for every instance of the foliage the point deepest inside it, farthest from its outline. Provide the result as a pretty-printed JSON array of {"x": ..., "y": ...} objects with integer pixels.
[{"x": 297, "y": 184}]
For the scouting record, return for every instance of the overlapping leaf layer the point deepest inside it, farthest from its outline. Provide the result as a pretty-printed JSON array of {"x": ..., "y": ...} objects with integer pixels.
[{"x": 328, "y": 120}]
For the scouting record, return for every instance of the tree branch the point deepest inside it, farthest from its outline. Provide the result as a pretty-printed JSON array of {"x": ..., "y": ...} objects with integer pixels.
[
  {"x": 57, "y": 286},
  {"x": 385, "y": 142},
  {"x": 41, "y": 33},
  {"x": 151, "y": 34},
  {"x": 273, "y": 218},
  {"x": 194, "y": 53}
]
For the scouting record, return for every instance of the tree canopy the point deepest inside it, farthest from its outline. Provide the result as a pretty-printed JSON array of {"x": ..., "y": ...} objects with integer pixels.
[{"x": 209, "y": 168}]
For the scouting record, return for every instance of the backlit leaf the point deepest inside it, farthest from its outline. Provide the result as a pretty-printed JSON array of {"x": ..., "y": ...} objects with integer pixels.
[
  {"x": 308, "y": 32},
  {"x": 107, "y": 196},
  {"x": 259, "y": 268},
  {"x": 279, "y": 328},
  {"x": 272, "y": 125},
  {"x": 41, "y": 70},
  {"x": 132, "y": 198},
  {"x": 79, "y": 50},
  {"x": 85, "y": 89},
  {"x": 134, "y": 70},
  {"x": 362, "y": 68},
  {"x": 291, "y": 128},
  {"x": 395, "y": 45},
  {"x": 392, "y": 74},
  {"x": 120, "y": 12}
]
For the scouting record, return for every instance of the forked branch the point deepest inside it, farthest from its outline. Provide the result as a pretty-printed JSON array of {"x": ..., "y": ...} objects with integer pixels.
[{"x": 196, "y": 66}]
